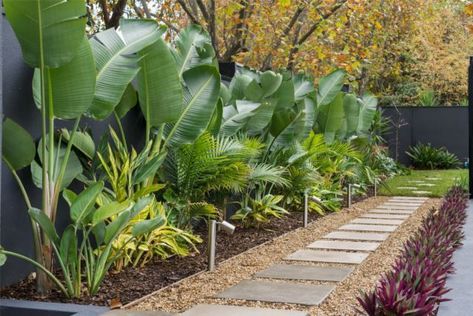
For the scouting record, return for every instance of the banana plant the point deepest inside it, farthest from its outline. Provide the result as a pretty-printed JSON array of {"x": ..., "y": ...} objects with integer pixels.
[{"x": 52, "y": 38}]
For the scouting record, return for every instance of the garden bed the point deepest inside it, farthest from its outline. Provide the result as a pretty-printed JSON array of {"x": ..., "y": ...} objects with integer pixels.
[{"x": 134, "y": 283}]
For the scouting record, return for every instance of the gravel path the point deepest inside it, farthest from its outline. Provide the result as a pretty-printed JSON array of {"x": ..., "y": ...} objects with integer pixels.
[{"x": 202, "y": 288}]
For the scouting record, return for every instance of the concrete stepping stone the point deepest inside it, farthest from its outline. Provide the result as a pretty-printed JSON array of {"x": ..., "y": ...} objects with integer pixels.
[
  {"x": 368, "y": 228},
  {"x": 410, "y": 199},
  {"x": 426, "y": 185},
  {"x": 385, "y": 216},
  {"x": 388, "y": 206},
  {"x": 300, "y": 272},
  {"x": 344, "y": 245},
  {"x": 416, "y": 181},
  {"x": 387, "y": 211},
  {"x": 327, "y": 256},
  {"x": 403, "y": 203},
  {"x": 406, "y": 188},
  {"x": 356, "y": 236},
  {"x": 421, "y": 192},
  {"x": 229, "y": 310},
  {"x": 377, "y": 221},
  {"x": 417, "y": 198},
  {"x": 408, "y": 204},
  {"x": 278, "y": 292},
  {"x": 432, "y": 179}
]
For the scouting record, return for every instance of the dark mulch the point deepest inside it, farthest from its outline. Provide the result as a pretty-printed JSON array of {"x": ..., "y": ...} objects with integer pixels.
[{"x": 133, "y": 283}]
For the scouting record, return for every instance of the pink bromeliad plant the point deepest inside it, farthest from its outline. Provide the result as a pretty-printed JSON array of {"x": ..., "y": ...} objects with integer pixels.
[{"x": 417, "y": 282}]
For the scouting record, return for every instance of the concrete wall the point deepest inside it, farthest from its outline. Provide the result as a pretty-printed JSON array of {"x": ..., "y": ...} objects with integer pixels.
[{"x": 439, "y": 126}]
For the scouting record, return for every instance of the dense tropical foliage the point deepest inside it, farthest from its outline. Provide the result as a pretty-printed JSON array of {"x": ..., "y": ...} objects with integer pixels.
[{"x": 257, "y": 143}]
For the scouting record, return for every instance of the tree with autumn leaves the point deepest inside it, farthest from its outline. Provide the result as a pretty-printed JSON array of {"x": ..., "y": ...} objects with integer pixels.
[{"x": 384, "y": 45}]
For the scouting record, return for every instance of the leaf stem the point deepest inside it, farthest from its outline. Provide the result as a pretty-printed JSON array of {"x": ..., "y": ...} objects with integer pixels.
[{"x": 41, "y": 267}]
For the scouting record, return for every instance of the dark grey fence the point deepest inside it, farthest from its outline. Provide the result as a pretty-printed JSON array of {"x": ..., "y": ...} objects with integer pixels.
[{"x": 439, "y": 126}]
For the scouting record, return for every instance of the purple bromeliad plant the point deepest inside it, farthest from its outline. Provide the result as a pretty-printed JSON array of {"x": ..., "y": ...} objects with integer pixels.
[{"x": 417, "y": 282}]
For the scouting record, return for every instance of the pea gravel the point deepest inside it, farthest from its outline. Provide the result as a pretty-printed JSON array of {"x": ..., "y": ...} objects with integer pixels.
[{"x": 202, "y": 288}]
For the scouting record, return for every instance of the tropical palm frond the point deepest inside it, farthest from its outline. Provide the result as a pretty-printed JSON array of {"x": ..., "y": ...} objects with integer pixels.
[{"x": 268, "y": 174}]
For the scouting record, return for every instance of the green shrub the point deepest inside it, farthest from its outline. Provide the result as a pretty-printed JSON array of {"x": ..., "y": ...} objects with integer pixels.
[
  {"x": 428, "y": 157},
  {"x": 428, "y": 98}
]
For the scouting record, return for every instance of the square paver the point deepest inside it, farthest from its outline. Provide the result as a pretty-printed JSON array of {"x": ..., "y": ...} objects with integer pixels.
[
  {"x": 229, "y": 310},
  {"x": 278, "y": 292},
  {"x": 386, "y": 216},
  {"x": 390, "y": 206},
  {"x": 328, "y": 256},
  {"x": 377, "y": 221},
  {"x": 421, "y": 192},
  {"x": 368, "y": 228},
  {"x": 386, "y": 211},
  {"x": 357, "y": 236},
  {"x": 403, "y": 204},
  {"x": 300, "y": 272},
  {"x": 404, "y": 198},
  {"x": 344, "y": 245}
]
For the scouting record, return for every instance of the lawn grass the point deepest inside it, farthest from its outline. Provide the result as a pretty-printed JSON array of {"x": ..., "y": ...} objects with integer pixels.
[{"x": 446, "y": 179}]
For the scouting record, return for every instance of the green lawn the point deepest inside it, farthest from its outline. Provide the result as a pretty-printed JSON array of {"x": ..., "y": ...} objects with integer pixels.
[{"x": 402, "y": 185}]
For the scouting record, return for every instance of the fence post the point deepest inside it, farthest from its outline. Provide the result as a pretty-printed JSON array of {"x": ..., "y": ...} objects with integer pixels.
[{"x": 470, "y": 125}]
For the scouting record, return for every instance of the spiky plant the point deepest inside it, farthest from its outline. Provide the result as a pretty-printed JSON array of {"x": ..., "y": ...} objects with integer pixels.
[{"x": 417, "y": 282}]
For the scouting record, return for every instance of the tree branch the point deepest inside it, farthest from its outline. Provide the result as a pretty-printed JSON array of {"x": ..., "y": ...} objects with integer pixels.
[
  {"x": 311, "y": 30},
  {"x": 144, "y": 4},
  {"x": 316, "y": 24},
  {"x": 213, "y": 27},
  {"x": 106, "y": 17},
  {"x": 268, "y": 59},
  {"x": 117, "y": 13},
  {"x": 203, "y": 10},
  {"x": 240, "y": 30},
  {"x": 189, "y": 13}
]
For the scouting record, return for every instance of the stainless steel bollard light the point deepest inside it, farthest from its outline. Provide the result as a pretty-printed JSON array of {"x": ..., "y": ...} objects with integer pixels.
[
  {"x": 350, "y": 186},
  {"x": 226, "y": 227},
  {"x": 306, "y": 206}
]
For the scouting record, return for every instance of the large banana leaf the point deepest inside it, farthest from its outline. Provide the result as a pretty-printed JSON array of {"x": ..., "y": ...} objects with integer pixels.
[
  {"x": 215, "y": 122},
  {"x": 238, "y": 86},
  {"x": 251, "y": 117},
  {"x": 200, "y": 98},
  {"x": 73, "y": 167},
  {"x": 301, "y": 124},
  {"x": 51, "y": 30},
  {"x": 352, "y": 114},
  {"x": 159, "y": 86},
  {"x": 72, "y": 85},
  {"x": 116, "y": 61},
  {"x": 285, "y": 95},
  {"x": 18, "y": 149},
  {"x": 368, "y": 104},
  {"x": 330, "y": 86},
  {"x": 193, "y": 48},
  {"x": 128, "y": 101},
  {"x": 310, "y": 116},
  {"x": 302, "y": 86},
  {"x": 263, "y": 86},
  {"x": 330, "y": 118},
  {"x": 293, "y": 131}
]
